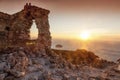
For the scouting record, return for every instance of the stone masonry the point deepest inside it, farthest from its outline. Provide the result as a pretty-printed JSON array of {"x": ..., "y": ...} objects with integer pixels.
[{"x": 15, "y": 29}]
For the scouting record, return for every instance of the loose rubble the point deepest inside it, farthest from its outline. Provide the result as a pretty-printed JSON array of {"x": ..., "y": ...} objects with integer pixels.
[{"x": 20, "y": 65}]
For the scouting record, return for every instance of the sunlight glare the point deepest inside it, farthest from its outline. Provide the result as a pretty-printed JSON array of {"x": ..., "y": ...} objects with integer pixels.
[{"x": 85, "y": 35}]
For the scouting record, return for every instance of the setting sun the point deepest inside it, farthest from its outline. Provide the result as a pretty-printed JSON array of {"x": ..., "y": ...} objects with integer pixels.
[{"x": 85, "y": 35}]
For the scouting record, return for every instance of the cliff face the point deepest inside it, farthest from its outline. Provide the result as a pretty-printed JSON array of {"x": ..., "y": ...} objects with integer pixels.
[{"x": 15, "y": 29}]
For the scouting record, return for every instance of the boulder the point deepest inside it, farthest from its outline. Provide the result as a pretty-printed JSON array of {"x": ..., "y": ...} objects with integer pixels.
[
  {"x": 2, "y": 76},
  {"x": 18, "y": 62}
]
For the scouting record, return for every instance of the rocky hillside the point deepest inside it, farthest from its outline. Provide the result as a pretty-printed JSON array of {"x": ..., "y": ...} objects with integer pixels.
[
  {"x": 83, "y": 57},
  {"x": 26, "y": 64}
]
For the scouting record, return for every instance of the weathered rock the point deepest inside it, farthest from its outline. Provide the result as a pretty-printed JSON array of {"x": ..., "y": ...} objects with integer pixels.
[
  {"x": 2, "y": 65},
  {"x": 46, "y": 76},
  {"x": 118, "y": 60},
  {"x": 19, "y": 66},
  {"x": 96, "y": 78},
  {"x": 73, "y": 78},
  {"x": 65, "y": 77},
  {"x": 17, "y": 73},
  {"x": 15, "y": 29},
  {"x": 10, "y": 78},
  {"x": 119, "y": 67},
  {"x": 18, "y": 62},
  {"x": 34, "y": 68},
  {"x": 2, "y": 76}
]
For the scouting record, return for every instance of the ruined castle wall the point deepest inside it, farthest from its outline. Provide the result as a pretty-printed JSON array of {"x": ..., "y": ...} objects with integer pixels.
[
  {"x": 44, "y": 37},
  {"x": 4, "y": 28},
  {"x": 20, "y": 30},
  {"x": 19, "y": 27},
  {"x": 4, "y": 21}
]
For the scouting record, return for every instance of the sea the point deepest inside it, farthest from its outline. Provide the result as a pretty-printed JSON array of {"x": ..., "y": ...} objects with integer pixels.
[{"x": 109, "y": 50}]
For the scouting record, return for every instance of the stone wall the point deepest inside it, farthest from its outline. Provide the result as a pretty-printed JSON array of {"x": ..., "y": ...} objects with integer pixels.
[{"x": 15, "y": 29}]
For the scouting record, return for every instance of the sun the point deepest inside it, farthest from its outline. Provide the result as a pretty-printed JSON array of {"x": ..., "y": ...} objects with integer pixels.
[{"x": 85, "y": 35}]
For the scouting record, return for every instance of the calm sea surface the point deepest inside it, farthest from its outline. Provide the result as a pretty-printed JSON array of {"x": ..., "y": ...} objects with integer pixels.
[{"x": 109, "y": 50}]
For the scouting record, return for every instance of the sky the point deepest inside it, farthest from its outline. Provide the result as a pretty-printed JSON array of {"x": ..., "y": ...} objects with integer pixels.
[{"x": 68, "y": 18}]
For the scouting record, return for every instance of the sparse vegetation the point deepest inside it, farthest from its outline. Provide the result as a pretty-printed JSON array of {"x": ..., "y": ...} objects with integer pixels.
[{"x": 83, "y": 57}]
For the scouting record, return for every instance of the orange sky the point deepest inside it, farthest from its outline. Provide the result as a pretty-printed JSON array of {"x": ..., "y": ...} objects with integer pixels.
[{"x": 71, "y": 17}]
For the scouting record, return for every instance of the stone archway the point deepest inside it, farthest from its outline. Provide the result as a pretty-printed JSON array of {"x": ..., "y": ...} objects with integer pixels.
[{"x": 21, "y": 22}]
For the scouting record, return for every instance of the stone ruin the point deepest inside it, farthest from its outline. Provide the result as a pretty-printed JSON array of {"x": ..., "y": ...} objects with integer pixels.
[{"x": 15, "y": 29}]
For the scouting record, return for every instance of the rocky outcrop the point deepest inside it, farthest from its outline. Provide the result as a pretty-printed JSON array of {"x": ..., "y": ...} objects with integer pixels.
[
  {"x": 23, "y": 64},
  {"x": 15, "y": 29},
  {"x": 83, "y": 57}
]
